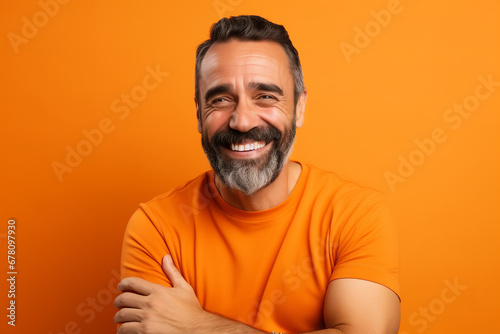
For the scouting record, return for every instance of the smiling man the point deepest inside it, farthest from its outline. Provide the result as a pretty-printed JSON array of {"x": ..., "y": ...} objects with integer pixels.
[{"x": 261, "y": 243}]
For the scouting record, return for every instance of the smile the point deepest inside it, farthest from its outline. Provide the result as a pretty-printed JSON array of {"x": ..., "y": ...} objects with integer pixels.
[{"x": 248, "y": 146}]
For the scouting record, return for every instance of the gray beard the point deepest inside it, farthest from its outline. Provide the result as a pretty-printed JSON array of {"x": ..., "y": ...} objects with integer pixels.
[{"x": 251, "y": 175}]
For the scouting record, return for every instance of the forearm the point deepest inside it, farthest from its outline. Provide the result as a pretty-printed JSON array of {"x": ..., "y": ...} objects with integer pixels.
[
  {"x": 216, "y": 324},
  {"x": 327, "y": 331}
]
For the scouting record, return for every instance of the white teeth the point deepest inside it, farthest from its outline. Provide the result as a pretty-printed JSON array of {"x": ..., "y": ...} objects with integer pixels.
[{"x": 248, "y": 147}]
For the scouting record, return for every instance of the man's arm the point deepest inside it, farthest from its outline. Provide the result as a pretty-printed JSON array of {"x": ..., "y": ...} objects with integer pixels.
[
  {"x": 351, "y": 306},
  {"x": 360, "y": 306}
]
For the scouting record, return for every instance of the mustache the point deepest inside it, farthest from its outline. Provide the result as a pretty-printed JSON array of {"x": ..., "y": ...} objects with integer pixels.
[{"x": 227, "y": 137}]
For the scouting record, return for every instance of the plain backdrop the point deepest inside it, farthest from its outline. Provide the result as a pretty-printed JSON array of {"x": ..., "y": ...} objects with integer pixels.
[{"x": 404, "y": 97}]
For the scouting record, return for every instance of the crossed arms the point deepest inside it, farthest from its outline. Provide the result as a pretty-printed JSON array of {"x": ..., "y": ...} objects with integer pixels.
[{"x": 351, "y": 306}]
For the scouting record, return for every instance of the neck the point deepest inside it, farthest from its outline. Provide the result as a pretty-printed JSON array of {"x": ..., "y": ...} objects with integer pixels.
[{"x": 266, "y": 198}]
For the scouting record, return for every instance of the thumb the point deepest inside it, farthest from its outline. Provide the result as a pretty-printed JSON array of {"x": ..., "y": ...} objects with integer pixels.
[{"x": 172, "y": 273}]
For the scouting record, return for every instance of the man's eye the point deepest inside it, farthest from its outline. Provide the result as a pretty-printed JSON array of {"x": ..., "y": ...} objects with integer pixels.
[
  {"x": 266, "y": 100},
  {"x": 220, "y": 100}
]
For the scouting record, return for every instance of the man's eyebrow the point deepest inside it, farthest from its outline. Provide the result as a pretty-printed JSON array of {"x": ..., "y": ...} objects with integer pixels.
[
  {"x": 216, "y": 90},
  {"x": 268, "y": 87}
]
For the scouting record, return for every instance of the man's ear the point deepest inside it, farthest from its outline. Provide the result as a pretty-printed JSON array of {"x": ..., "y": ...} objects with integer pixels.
[
  {"x": 301, "y": 109},
  {"x": 198, "y": 114}
]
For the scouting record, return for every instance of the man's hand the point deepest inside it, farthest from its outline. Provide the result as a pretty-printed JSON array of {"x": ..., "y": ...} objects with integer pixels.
[{"x": 149, "y": 308}]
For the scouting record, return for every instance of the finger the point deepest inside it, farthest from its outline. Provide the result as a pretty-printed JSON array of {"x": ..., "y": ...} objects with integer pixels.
[
  {"x": 129, "y": 315},
  {"x": 136, "y": 284},
  {"x": 129, "y": 299},
  {"x": 172, "y": 273},
  {"x": 130, "y": 328}
]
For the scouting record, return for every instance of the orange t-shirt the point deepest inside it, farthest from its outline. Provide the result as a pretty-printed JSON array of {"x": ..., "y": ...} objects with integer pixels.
[{"x": 269, "y": 269}]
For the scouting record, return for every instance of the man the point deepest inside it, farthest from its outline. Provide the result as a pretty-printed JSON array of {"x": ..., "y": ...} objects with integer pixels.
[{"x": 261, "y": 243}]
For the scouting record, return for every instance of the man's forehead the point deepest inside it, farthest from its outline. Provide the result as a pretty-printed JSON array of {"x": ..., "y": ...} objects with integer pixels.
[{"x": 233, "y": 54}]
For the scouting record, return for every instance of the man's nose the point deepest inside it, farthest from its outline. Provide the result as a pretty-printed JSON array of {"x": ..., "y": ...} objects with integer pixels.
[{"x": 244, "y": 117}]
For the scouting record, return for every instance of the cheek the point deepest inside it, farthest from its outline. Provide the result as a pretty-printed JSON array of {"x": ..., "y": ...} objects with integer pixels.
[
  {"x": 278, "y": 117},
  {"x": 214, "y": 122}
]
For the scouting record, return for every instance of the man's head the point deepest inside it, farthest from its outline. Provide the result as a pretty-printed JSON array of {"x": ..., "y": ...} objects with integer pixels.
[{"x": 249, "y": 97}]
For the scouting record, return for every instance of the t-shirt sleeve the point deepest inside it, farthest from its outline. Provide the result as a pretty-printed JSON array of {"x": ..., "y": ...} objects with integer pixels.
[
  {"x": 143, "y": 249},
  {"x": 367, "y": 246}
]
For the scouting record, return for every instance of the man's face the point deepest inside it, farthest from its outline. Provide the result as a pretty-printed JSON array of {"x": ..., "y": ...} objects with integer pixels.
[{"x": 247, "y": 115}]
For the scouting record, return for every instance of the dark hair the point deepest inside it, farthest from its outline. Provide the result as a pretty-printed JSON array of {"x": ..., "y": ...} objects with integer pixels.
[{"x": 251, "y": 28}]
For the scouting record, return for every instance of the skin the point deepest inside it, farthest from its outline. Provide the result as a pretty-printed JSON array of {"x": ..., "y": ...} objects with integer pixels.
[{"x": 351, "y": 306}]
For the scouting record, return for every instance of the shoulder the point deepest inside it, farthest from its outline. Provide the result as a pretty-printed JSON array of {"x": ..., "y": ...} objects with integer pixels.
[
  {"x": 179, "y": 203},
  {"x": 345, "y": 206},
  {"x": 181, "y": 191},
  {"x": 187, "y": 192},
  {"x": 339, "y": 191}
]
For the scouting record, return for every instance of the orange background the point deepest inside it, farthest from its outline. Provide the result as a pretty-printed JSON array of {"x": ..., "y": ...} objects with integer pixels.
[{"x": 364, "y": 113}]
